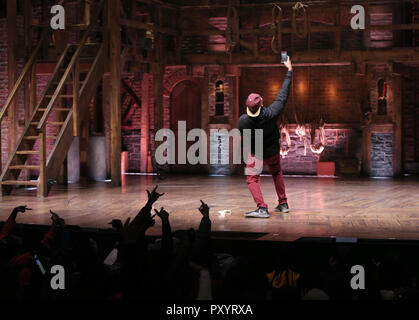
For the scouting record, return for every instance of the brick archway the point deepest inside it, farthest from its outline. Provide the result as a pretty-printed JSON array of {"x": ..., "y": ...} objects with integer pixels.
[{"x": 174, "y": 77}]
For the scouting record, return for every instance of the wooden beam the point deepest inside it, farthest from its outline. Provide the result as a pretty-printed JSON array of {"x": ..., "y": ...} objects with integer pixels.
[
  {"x": 145, "y": 122},
  {"x": 131, "y": 92},
  {"x": 115, "y": 81},
  {"x": 76, "y": 89},
  {"x": 159, "y": 2},
  {"x": 148, "y": 26},
  {"x": 158, "y": 73},
  {"x": 396, "y": 101},
  {"x": 86, "y": 18},
  {"x": 11, "y": 69},
  {"x": 337, "y": 35},
  {"x": 314, "y": 56},
  {"x": 267, "y": 31},
  {"x": 313, "y": 3},
  {"x": 42, "y": 182},
  {"x": 158, "y": 68},
  {"x": 33, "y": 88},
  {"x": 28, "y": 46}
]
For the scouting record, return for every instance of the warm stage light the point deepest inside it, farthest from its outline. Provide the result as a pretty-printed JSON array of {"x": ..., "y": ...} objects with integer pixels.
[
  {"x": 332, "y": 90},
  {"x": 302, "y": 87}
]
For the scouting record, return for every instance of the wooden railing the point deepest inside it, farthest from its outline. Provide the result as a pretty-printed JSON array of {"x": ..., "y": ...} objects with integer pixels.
[
  {"x": 29, "y": 69},
  {"x": 71, "y": 69},
  {"x": 65, "y": 138},
  {"x": 25, "y": 72}
]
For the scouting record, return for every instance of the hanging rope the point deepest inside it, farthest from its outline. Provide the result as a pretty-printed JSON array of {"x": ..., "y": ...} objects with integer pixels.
[
  {"x": 232, "y": 30},
  {"x": 300, "y": 131},
  {"x": 285, "y": 135},
  {"x": 299, "y": 11},
  {"x": 319, "y": 147},
  {"x": 276, "y": 26}
]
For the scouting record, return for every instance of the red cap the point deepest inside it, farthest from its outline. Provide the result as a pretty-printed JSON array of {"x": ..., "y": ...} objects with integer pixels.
[{"x": 253, "y": 103}]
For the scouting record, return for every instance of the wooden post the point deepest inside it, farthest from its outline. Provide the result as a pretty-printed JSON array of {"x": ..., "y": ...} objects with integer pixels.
[
  {"x": 115, "y": 99},
  {"x": 396, "y": 92},
  {"x": 338, "y": 30},
  {"x": 11, "y": 70},
  {"x": 44, "y": 17},
  {"x": 76, "y": 87},
  {"x": 28, "y": 44},
  {"x": 158, "y": 68},
  {"x": 367, "y": 31},
  {"x": 256, "y": 24},
  {"x": 62, "y": 178},
  {"x": 158, "y": 73},
  {"x": 145, "y": 123},
  {"x": 33, "y": 88},
  {"x": 42, "y": 182},
  {"x": 86, "y": 12}
]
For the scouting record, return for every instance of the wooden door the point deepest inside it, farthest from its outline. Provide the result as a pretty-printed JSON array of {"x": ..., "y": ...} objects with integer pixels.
[{"x": 185, "y": 106}]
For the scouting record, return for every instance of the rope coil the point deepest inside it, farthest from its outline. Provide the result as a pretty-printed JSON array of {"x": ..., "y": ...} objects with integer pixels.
[
  {"x": 276, "y": 27},
  {"x": 285, "y": 136},
  {"x": 299, "y": 10},
  {"x": 300, "y": 130},
  {"x": 232, "y": 30},
  {"x": 319, "y": 147}
]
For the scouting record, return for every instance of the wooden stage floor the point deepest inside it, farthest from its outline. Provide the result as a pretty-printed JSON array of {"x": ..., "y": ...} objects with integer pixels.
[{"x": 320, "y": 207}]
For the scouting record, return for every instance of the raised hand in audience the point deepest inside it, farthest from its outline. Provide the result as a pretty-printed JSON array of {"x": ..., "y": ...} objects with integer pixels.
[
  {"x": 129, "y": 233},
  {"x": 153, "y": 196},
  {"x": 167, "y": 240},
  {"x": 21, "y": 209},
  {"x": 57, "y": 221},
  {"x": 145, "y": 212},
  {"x": 204, "y": 209},
  {"x": 8, "y": 227},
  {"x": 163, "y": 214},
  {"x": 117, "y": 224}
]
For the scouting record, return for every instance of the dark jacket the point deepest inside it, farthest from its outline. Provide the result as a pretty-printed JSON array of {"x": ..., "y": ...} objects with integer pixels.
[{"x": 268, "y": 121}]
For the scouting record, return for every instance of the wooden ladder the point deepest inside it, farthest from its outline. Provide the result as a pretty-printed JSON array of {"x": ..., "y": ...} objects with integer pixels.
[{"x": 54, "y": 123}]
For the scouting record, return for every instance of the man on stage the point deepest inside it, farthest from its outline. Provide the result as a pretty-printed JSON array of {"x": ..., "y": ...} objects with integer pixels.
[{"x": 259, "y": 117}]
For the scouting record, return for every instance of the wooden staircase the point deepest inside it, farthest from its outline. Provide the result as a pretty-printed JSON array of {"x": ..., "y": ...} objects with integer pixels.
[{"x": 57, "y": 116}]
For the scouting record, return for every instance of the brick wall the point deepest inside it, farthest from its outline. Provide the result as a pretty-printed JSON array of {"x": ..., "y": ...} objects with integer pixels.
[
  {"x": 329, "y": 91},
  {"x": 131, "y": 125},
  {"x": 216, "y": 75},
  {"x": 3, "y": 88},
  {"x": 411, "y": 118}
]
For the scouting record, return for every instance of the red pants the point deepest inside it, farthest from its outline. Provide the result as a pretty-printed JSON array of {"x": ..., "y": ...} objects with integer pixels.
[{"x": 253, "y": 180}]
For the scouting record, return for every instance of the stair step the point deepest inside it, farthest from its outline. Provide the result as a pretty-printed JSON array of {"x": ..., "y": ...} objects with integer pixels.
[
  {"x": 31, "y": 138},
  {"x": 69, "y": 82},
  {"x": 60, "y": 96},
  {"x": 27, "y": 152},
  {"x": 37, "y": 137},
  {"x": 19, "y": 183},
  {"x": 55, "y": 123},
  {"x": 20, "y": 167},
  {"x": 55, "y": 109}
]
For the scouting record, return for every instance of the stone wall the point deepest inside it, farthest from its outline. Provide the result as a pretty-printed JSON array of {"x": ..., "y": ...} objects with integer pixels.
[
  {"x": 381, "y": 154},
  {"x": 341, "y": 144}
]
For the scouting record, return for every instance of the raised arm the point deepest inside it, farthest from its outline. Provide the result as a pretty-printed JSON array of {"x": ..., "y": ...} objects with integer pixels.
[
  {"x": 167, "y": 240},
  {"x": 145, "y": 212},
  {"x": 278, "y": 105},
  {"x": 11, "y": 221}
]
